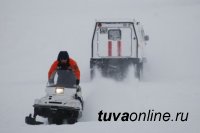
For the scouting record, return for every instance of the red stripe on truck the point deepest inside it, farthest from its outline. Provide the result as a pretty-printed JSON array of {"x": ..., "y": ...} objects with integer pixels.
[
  {"x": 109, "y": 48},
  {"x": 119, "y": 48}
]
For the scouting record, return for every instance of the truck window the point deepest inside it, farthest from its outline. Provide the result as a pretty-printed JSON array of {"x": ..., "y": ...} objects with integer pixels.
[{"x": 114, "y": 34}]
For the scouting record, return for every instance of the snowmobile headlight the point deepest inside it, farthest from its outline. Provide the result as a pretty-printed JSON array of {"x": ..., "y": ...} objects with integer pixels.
[{"x": 59, "y": 90}]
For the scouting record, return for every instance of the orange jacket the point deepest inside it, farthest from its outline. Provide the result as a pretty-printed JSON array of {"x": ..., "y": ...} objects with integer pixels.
[{"x": 73, "y": 65}]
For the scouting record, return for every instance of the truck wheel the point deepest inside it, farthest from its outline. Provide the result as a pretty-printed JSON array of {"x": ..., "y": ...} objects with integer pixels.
[
  {"x": 139, "y": 70},
  {"x": 92, "y": 73}
]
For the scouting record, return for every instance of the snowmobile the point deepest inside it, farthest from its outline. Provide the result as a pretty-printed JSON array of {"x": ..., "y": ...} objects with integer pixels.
[
  {"x": 63, "y": 101},
  {"x": 117, "y": 45}
]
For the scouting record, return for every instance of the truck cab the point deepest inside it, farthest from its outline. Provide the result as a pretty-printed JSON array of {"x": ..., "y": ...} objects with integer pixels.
[{"x": 116, "y": 45}]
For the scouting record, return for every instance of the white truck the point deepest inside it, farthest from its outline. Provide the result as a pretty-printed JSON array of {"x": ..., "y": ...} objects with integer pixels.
[{"x": 115, "y": 46}]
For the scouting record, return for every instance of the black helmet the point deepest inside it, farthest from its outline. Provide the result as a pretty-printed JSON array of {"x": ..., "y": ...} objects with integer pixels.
[{"x": 63, "y": 55}]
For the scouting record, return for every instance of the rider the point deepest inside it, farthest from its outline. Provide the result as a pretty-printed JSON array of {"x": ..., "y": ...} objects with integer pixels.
[{"x": 64, "y": 62}]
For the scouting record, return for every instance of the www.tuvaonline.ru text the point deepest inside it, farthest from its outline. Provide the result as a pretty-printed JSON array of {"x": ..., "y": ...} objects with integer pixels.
[{"x": 150, "y": 115}]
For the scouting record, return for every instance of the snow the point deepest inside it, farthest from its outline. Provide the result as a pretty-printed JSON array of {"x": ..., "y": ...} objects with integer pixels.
[{"x": 33, "y": 32}]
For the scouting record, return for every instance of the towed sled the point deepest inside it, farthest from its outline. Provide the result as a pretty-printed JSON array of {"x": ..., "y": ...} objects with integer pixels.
[{"x": 63, "y": 102}]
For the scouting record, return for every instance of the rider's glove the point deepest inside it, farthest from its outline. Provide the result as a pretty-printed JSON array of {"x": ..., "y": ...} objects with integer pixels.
[
  {"x": 51, "y": 81},
  {"x": 77, "y": 82}
]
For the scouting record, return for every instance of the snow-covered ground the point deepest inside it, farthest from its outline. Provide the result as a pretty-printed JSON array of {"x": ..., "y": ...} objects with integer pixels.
[{"x": 32, "y": 32}]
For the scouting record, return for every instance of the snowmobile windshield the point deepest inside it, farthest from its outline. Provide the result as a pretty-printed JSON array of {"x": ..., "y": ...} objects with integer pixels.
[{"x": 63, "y": 78}]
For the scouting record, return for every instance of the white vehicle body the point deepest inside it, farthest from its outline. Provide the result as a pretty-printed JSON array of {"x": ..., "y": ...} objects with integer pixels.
[
  {"x": 116, "y": 42},
  {"x": 63, "y": 101}
]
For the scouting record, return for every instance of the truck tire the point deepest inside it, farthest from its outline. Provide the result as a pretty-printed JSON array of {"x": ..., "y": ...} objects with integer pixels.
[
  {"x": 92, "y": 73},
  {"x": 139, "y": 70}
]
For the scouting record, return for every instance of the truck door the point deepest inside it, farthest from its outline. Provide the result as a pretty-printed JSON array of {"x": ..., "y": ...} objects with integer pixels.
[{"x": 114, "y": 42}]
